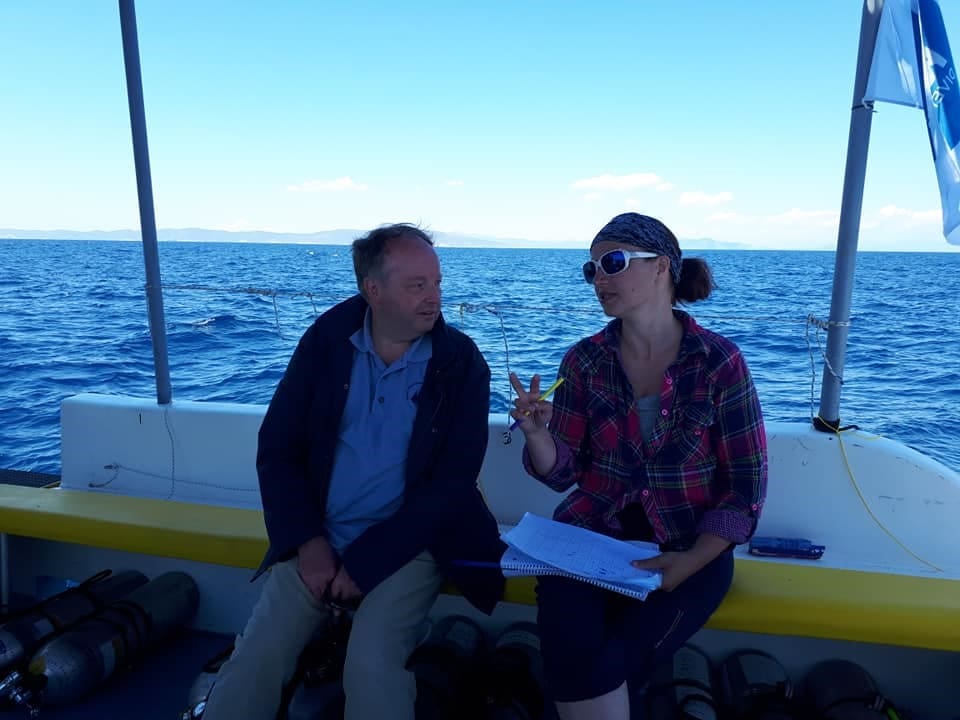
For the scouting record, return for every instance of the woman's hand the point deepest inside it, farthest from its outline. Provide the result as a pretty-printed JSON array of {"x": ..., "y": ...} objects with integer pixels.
[
  {"x": 532, "y": 412},
  {"x": 678, "y": 566}
]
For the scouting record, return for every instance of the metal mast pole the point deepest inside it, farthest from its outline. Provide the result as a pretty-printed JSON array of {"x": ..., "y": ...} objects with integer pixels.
[
  {"x": 850, "y": 210},
  {"x": 148, "y": 223}
]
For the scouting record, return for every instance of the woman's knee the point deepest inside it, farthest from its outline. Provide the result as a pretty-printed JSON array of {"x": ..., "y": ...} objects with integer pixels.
[
  {"x": 571, "y": 616},
  {"x": 659, "y": 627},
  {"x": 582, "y": 658}
]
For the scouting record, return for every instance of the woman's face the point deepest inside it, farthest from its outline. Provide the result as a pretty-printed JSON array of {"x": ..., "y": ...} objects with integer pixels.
[{"x": 639, "y": 283}]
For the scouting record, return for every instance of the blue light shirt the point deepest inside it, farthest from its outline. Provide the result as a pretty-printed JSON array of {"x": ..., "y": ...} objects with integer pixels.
[{"x": 369, "y": 464}]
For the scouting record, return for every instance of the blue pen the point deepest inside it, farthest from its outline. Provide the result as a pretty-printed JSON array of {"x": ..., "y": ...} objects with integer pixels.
[{"x": 547, "y": 393}]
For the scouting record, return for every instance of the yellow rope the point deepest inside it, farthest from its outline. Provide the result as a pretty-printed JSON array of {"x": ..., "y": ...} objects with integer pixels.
[{"x": 866, "y": 505}]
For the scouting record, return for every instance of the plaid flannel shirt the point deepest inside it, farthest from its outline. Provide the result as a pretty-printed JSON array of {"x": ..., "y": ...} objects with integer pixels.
[{"x": 704, "y": 469}]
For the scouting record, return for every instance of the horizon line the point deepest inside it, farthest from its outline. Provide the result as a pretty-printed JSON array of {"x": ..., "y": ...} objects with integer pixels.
[{"x": 460, "y": 240}]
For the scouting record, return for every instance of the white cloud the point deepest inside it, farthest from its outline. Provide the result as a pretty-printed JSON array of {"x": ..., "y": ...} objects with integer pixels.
[
  {"x": 702, "y": 198},
  {"x": 341, "y": 184},
  {"x": 793, "y": 217},
  {"x": 631, "y": 203},
  {"x": 454, "y": 183},
  {"x": 665, "y": 186},
  {"x": 728, "y": 217},
  {"x": 893, "y": 211},
  {"x": 592, "y": 197},
  {"x": 822, "y": 218},
  {"x": 917, "y": 216},
  {"x": 619, "y": 182}
]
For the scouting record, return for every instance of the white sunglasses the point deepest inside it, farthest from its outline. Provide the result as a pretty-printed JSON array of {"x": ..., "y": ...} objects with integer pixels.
[{"x": 612, "y": 263}]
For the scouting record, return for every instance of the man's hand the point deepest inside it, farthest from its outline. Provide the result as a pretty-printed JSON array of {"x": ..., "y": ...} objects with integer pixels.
[
  {"x": 317, "y": 565},
  {"x": 343, "y": 589}
]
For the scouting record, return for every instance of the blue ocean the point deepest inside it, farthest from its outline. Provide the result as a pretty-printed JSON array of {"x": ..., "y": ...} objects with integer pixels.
[{"x": 73, "y": 319}]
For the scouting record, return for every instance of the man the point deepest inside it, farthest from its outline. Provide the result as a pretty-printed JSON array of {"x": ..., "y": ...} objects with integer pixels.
[{"x": 368, "y": 461}]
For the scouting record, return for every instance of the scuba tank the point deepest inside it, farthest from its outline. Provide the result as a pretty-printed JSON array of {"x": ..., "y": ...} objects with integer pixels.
[
  {"x": 200, "y": 690},
  {"x": 317, "y": 702},
  {"x": 28, "y": 629},
  {"x": 316, "y": 691},
  {"x": 842, "y": 690},
  {"x": 446, "y": 665},
  {"x": 71, "y": 665},
  {"x": 681, "y": 688},
  {"x": 754, "y": 686},
  {"x": 515, "y": 675}
]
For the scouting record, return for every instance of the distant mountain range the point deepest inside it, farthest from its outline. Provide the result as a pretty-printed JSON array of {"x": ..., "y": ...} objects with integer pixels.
[{"x": 324, "y": 237}]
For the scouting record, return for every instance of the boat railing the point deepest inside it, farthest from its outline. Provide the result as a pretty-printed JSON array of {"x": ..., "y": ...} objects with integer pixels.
[{"x": 837, "y": 327}]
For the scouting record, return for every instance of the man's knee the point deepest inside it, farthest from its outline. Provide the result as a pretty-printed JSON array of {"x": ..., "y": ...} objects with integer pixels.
[
  {"x": 383, "y": 666},
  {"x": 282, "y": 622},
  {"x": 360, "y": 670},
  {"x": 376, "y": 649}
]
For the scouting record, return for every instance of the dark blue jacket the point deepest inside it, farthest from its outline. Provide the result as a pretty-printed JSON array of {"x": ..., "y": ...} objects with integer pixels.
[{"x": 443, "y": 510}]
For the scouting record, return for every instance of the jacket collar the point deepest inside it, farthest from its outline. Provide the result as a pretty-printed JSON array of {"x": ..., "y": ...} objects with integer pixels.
[{"x": 347, "y": 317}]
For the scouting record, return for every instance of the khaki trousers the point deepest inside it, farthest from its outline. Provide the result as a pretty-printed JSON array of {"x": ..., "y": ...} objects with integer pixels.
[{"x": 386, "y": 628}]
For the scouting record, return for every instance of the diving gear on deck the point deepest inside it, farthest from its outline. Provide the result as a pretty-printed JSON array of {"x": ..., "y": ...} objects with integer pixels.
[
  {"x": 28, "y": 629},
  {"x": 73, "y": 664}
]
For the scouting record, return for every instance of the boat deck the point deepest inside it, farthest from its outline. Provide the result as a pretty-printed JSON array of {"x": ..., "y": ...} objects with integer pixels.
[{"x": 156, "y": 688}]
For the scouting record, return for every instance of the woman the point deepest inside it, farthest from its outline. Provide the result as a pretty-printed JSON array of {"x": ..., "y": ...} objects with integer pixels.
[{"x": 658, "y": 428}]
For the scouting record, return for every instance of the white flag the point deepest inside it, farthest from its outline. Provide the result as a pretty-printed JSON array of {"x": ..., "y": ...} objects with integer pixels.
[{"x": 912, "y": 65}]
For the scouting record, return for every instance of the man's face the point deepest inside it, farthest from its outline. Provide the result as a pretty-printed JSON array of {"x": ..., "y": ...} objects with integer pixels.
[{"x": 405, "y": 298}]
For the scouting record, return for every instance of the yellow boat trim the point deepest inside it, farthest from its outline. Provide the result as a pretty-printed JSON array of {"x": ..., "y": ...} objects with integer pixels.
[
  {"x": 766, "y": 597},
  {"x": 186, "y": 531},
  {"x": 818, "y": 602}
]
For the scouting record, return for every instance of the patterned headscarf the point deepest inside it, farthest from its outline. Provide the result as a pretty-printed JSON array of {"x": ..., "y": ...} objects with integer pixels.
[{"x": 646, "y": 233}]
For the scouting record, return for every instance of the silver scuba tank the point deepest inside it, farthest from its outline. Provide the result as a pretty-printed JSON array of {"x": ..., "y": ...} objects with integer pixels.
[
  {"x": 73, "y": 664},
  {"x": 753, "y": 685},
  {"x": 317, "y": 702},
  {"x": 317, "y": 690},
  {"x": 446, "y": 665},
  {"x": 23, "y": 633},
  {"x": 514, "y": 683},
  {"x": 682, "y": 688},
  {"x": 843, "y": 690},
  {"x": 200, "y": 690}
]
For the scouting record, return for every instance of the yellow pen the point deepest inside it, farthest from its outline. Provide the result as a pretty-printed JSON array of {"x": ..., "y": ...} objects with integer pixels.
[{"x": 547, "y": 393}]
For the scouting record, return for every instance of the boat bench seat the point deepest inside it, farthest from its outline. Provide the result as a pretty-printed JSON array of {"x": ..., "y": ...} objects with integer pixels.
[{"x": 779, "y": 598}]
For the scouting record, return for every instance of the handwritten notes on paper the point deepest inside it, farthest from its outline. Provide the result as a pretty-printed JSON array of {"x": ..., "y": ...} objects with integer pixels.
[{"x": 539, "y": 546}]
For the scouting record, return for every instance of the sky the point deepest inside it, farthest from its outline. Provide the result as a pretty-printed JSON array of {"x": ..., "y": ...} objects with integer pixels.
[{"x": 523, "y": 119}]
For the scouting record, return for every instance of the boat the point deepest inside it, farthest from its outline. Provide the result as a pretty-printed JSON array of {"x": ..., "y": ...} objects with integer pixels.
[{"x": 165, "y": 486}]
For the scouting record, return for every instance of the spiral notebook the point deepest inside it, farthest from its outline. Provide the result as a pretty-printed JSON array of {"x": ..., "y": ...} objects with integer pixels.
[{"x": 539, "y": 546}]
